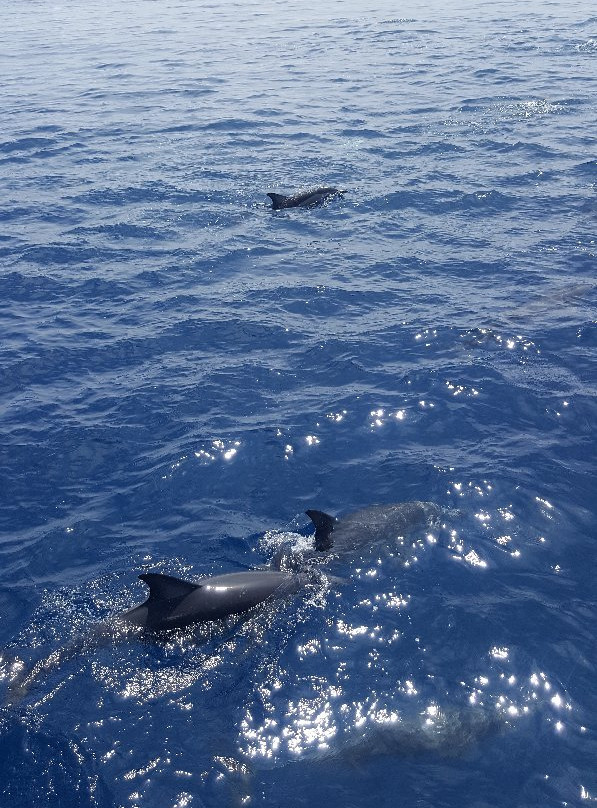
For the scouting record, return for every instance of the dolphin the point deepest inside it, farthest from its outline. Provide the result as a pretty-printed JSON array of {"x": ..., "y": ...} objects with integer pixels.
[
  {"x": 306, "y": 199},
  {"x": 439, "y": 732},
  {"x": 372, "y": 525},
  {"x": 174, "y": 603}
]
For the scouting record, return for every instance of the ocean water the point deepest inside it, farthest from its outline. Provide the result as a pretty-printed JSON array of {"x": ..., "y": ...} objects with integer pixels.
[{"x": 183, "y": 372}]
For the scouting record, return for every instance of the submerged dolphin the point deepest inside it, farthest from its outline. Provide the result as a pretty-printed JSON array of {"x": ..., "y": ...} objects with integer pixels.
[
  {"x": 436, "y": 731},
  {"x": 306, "y": 199},
  {"x": 371, "y": 525},
  {"x": 174, "y": 603}
]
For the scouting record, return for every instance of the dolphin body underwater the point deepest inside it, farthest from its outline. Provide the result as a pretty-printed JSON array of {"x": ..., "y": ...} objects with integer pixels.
[
  {"x": 172, "y": 604},
  {"x": 306, "y": 199},
  {"x": 372, "y": 525}
]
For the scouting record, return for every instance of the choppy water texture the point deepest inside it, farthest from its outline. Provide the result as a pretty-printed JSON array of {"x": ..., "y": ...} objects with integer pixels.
[{"x": 184, "y": 372}]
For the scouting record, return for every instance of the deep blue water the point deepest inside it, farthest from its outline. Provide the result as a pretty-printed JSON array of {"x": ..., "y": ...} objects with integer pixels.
[{"x": 184, "y": 372}]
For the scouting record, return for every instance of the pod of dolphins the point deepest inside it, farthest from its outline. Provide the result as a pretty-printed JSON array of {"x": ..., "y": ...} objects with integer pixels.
[{"x": 173, "y": 603}]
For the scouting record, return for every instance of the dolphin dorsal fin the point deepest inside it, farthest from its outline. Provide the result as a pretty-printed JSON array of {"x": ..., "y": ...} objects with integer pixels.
[
  {"x": 166, "y": 587},
  {"x": 277, "y": 200},
  {"x": 324, "y": 524}
]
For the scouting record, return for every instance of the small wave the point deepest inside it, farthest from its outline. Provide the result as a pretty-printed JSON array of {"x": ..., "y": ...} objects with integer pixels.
[
  {"x": 26, "y": 144},
  {"x": 121, "y": 197},
  {"x": 125, "y": 230},
  {"x": 590, "y": 46},
  {"x": 230, "y": 125},
  {"x": 16, "y": 213},
  {"x": 535, "y": 150},
  {"x": 588, "y": 168},
  {"x": 442, "y": 202},
  {"x": 67, "y": 254}
]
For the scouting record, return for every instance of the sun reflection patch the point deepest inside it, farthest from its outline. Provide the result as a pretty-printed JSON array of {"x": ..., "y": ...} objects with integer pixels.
[
  {"x": 461, "y": 390},
  {"x": 351, "y": 631},
  {"x": 141, "y": 772},
  {"x": 308, "y": 648},
  {"x": 489, "y": 339},
  {"x": 481, "y": 489},
  {"x": 307, "y": 724},
  {"x": 426, "y": 336},
  {"x": 409, "y": 688},
  {"x": 379, "y": 417},
  {"x": 392, "y": 600},
  {"x": 218, "y": 448},
  {"x": 474, "y": 560}
]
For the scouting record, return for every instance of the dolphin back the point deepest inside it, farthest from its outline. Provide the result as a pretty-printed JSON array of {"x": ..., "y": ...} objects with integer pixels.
[
  {"x": 278, "y": 201},
  {"x": 167, "y": 587},
  {"x": 372, "y": 525},
  {"x": 174, "y": 603},
  {"x": 305, "y": 199},
  {"x": 324, "y": 525}
]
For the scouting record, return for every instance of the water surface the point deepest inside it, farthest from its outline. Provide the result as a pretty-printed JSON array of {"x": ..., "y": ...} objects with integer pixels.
[{"x": 183, "y": 372}]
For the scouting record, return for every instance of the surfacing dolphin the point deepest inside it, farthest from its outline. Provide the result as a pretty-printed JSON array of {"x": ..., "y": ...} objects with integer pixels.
[
  {"x": 372, "y": 525},
  {"x": 172, "y": 604},
  {"x": 306, "y": 199}
]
